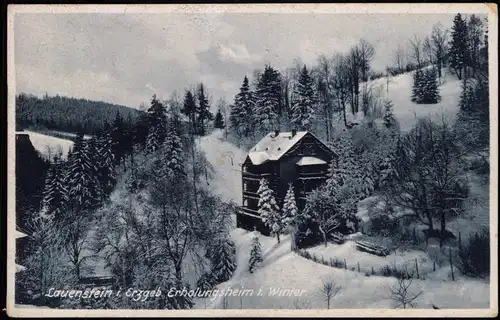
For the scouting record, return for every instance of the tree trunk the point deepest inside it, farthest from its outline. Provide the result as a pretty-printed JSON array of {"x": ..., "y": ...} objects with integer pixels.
[
  {"x": 178, "y": 271},
  {"x": 278, "y": 237},
  {"x": 293, "y": 240},
  {"x": 324, "y": 236}
]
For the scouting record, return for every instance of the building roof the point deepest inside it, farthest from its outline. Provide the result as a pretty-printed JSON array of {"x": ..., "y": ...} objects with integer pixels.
[
  {"x": 273, "y": 147},
  {"x": 308, "y": 161}
]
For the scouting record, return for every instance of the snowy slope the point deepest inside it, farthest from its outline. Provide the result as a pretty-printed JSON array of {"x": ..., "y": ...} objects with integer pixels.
[
  {"x": 226, "y": 159},
  {"x": 283, "y": 269},
  {"x": 405, "y": 111},
  {"x": 43, "y": 143}
]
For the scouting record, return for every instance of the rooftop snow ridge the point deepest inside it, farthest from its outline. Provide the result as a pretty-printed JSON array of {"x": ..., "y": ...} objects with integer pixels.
[{"x": 272, "y": 146}]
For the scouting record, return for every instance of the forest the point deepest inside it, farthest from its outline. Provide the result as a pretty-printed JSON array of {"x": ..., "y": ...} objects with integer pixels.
[{"x": 67, "y": 114}]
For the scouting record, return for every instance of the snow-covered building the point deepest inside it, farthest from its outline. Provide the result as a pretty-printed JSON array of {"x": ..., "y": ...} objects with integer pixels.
[{"x": 296, "y": 157}]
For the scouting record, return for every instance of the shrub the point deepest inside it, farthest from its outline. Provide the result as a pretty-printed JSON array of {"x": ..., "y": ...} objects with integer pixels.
[{"x": 474, "y": 257}]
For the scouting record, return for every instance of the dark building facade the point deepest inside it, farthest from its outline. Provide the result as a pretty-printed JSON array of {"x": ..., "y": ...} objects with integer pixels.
[{"x": 296, "y": 157}]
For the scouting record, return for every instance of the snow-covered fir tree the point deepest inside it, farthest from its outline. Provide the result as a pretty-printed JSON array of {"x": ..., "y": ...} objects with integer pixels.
[
  {"x": 255, "y": 254},
  {"x": 156, "y": 125},
  {"x": 345, "y": 167},
  {"x": 203, "y": 113},
  {"x": 425, "y": 87},
  {"x": 242, "y": 112},
  {"x": 80, "y": 178},
  {"x": 106, "y": 163},
  {"x": 290, "y": 215},
  {"x": 173, "y": 154},
  {"x": 55, "y": 194},
  {"x": 303, "y": 104},
  {"x": 418, "y": 86},
  {"x": 457, "y": 54},
  {"x": 431, "y": 88},
  {"x": 269, "y": 210},
  {"x": 219, "y": 120},
  {"x": 222, "y": 254},
  {"x": 389, "y": 120},
  {"x": 268, "y": 99},
  {"x": 189, "y": 109}
]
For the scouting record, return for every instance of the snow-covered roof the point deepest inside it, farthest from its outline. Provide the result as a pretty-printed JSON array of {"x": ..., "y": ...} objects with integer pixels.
[
  {"x": 273, "y": 147},
  {"x": 308, "y": 161}
]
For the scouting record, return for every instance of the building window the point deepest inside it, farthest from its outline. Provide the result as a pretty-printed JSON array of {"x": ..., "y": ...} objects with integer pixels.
[{"x": 245, "y": 168}]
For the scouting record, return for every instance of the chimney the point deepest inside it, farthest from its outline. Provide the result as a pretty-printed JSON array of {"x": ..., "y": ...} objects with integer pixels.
[
  {"x": 276, "y": 133},
  {"x": 294, "y": 132}
]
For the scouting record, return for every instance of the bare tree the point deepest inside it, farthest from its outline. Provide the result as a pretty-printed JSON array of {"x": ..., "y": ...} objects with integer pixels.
[
  {"x": 402, "y": 293},
  {"x": 329, "y": 290},
  {"x": 400, "y": 57},
  {"x": 428, "y": 49},
  {"x": 439, "y": 39},
  {"x": 428, "y": 178},
  {"x": 223, "y": 106},
  {"x": 416, "y": 50},
  {"x": 340, "y": 83},
  {"x": 366, "y": 55},
  {"x": 323, "y": 74}
]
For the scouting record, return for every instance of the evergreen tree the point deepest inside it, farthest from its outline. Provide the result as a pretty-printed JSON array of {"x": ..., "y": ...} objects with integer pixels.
[
  {"x": 203, "y": 109},
  {"x": 92, "y": 150},
  {"x": 243, "y": 113},
  {"x": 81, "y": 181},
  {"x": 255, "y": 255},
  {"x": 345, "y": 167},
  {"x": 291, "y": 215},
  {"x": 268, "y": 99},
  {"x": 219, "y": 120},
  {"x": 55, "y": 194},
  {"x": 425, "y": 87},
  {"x": 458, "y": 51},
  {"x": 389, "y": 120},
  {"x": 269, "y": 210},
  {"x": 156, "y": 125},
  {"x": 222, "y": 254},
  {"x": 189, "y": 109},
  {"x": 431, "y": 88},
  {"x": 118, "y": 136},
  {"x": 303, "y": 112},
  {"x": 418, "y": 86},
  {"x": 173, "y": 154},
  {"x": 106, "y": 163}
]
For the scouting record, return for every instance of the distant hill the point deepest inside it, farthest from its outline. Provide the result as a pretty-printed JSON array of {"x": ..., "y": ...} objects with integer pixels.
[{"x": 67, "y": 114}]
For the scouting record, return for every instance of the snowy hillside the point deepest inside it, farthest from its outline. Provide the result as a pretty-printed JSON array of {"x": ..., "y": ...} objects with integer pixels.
[
  {"x": 226, "y": 159},
  {"x": 46, "y": 144},
  {"x": 283, "y": 269},
  {"x": 405, "y": 111}
]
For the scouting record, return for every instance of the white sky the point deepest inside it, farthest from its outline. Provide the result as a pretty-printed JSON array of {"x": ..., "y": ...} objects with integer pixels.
[{"x": 126, "y": 58}]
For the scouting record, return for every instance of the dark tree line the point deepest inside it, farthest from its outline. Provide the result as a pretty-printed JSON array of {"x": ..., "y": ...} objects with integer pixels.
[{"x": 67, "y": 114}]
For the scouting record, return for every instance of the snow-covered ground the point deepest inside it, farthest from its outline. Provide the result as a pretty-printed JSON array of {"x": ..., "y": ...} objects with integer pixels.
[
  {"x": 46, "y": 144},
  {"x": 407, "y": 112},
  {"x": 226, "y": 159},
  {"x": 283, "y": 269}
]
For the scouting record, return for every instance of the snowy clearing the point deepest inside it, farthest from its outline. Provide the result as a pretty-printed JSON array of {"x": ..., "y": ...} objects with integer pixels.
[
  {"x": 406, "y": 111},
  {"x": 46, "y": 144}
]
